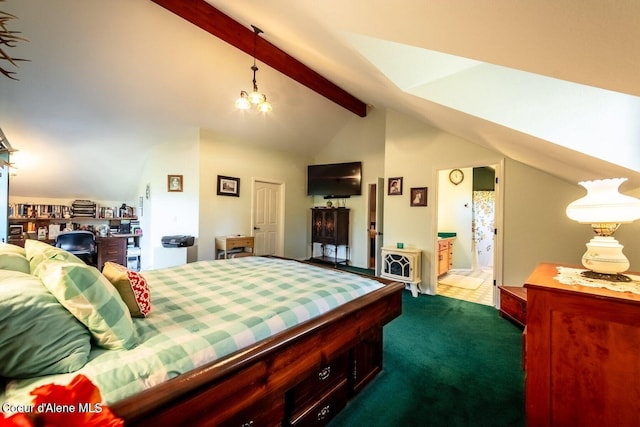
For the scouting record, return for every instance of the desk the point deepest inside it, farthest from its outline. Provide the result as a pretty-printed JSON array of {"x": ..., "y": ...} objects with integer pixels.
[
  {"x": 116, "y": 248},
  {"x": 224, "y": 244}
]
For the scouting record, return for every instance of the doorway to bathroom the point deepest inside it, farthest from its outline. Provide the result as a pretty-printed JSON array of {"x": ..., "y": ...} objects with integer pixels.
[{"x": 467, "y": 224}]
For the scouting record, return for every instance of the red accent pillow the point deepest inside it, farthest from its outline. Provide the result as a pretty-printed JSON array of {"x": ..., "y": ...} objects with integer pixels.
[{"x": 131, "y": 286}]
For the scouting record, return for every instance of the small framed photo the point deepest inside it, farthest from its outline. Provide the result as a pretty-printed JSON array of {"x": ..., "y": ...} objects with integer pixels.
[
  {"x": 419, "y": 196},
  {"x": 228, "y": 186},
  {"x": 395, "y": 187},
  {"x": 174, "y": 183}
]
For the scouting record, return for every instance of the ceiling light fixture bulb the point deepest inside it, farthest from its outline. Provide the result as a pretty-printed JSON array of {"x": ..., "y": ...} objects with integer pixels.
[
  {"x": 257, "y": 98},
  {"x": 243, "y": 103},
  {"x": 265, "y": 107}
]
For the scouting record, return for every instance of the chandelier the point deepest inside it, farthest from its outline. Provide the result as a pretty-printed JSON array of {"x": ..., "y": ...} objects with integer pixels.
[{"x": 255, "y": 98}]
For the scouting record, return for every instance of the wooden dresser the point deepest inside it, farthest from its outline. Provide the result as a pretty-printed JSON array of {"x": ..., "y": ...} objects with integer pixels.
[{"x": 582, "y": 354}]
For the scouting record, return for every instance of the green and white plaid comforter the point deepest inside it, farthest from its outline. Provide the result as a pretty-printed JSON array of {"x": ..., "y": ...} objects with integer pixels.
[{"x": 206, "y": 310}]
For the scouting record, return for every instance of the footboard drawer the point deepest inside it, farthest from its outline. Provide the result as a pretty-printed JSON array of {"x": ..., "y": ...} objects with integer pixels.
[
  {"x": 268, "y": 412},
  {"x": 316, "y": 384},
  {"x": 332, "y": 402}
]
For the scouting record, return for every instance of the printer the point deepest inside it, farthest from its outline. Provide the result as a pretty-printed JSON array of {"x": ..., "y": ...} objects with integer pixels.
[{"x": 177, "y": 241}]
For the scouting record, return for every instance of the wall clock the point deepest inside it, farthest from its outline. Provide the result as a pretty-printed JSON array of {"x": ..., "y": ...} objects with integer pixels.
[{"x": 456, "y": 176}]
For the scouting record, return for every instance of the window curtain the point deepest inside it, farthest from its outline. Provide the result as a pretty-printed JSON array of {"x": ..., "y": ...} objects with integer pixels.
[{"x": 483, "y": 225}]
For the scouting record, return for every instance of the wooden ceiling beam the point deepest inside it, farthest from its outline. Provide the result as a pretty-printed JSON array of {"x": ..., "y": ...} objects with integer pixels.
[{"x": 205, "y": 16}]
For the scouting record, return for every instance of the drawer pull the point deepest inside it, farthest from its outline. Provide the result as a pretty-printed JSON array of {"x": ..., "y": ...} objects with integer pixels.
[
  {"x": 324, "y": 373},
  {"x": 324, "y": 413}
]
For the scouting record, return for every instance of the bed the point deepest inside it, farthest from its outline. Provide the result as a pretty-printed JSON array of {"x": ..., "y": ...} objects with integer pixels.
[{"x": 245, "y": 341}]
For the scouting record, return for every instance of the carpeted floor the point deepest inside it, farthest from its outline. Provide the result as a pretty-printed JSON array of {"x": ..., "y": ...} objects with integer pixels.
[{"x": 446, "y": 363}]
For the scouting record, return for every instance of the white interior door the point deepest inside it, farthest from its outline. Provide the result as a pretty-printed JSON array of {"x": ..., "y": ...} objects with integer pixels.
[{"x": 267, "y": 218}]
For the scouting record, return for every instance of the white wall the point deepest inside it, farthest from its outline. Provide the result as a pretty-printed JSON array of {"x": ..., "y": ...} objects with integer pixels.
[
  {"x": 164, "y": 213},
  {"x": 169, "y": 213},
  {"x": 416, "y": 151},
  {"x": 629, "y": 234},
  {"x": 536, "y": 228},
  {"x": 224, "y": 215},
  {"x": 362, "y": 139},
  {"x": 389, "y": 144}
]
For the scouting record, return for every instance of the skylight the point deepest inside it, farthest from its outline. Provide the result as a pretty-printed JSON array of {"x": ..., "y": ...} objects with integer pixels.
[{"x": 594, "y": 121}]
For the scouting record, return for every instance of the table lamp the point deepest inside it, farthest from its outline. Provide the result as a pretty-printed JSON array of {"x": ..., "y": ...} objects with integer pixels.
[{"x": 605, "y": 209}]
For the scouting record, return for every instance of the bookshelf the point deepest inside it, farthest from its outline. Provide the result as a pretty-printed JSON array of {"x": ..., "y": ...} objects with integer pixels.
[{"x": 45, "y": 222}]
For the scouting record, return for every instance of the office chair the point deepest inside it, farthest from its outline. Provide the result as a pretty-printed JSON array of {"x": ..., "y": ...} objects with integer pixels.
[{"x": 80, "y": 243}]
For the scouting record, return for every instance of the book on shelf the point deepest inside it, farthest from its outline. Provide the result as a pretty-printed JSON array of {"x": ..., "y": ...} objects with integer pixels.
[
  {"x": 78, "y": 209},
  {"x": 36, "y": 211}
]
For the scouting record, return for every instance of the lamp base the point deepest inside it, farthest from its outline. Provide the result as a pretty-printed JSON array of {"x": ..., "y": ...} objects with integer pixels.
[
  {"x": 608, "y": 277},
  {"x": 604, "y": 256}
]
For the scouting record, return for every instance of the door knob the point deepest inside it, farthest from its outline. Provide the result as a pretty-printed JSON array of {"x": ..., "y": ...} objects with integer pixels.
[{"x": 256, "y": 228}]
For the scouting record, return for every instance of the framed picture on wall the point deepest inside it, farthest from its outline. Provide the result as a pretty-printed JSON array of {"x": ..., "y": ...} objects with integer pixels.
[
  {"x": 419, "y": 196},
  {"x": 395, "y": 187},
  {"x": 174, "y": 183},
  {"x": 228, "y": 186}
]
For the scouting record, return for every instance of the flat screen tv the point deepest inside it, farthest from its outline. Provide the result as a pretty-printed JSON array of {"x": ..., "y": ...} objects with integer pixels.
[{"x": 336, "y": 180}]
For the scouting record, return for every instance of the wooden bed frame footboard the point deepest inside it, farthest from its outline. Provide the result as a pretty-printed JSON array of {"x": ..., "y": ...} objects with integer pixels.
[{"x": 305, "y": 373}]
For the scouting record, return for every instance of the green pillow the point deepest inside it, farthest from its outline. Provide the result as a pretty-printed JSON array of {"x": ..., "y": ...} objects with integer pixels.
[
  {"x": 14, "y": 261},
  {"x": 8, "y": 247},
  {"x": 37, "y": 252},
  {"x": 37, "y": 335},
  {"x": 92, "y": 299}
]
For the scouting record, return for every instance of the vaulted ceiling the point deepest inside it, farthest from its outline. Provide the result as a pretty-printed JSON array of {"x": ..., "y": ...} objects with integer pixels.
[{"x": 540, "y": 81}]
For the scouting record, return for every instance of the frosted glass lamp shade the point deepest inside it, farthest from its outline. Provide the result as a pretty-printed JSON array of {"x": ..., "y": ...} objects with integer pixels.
[
  {"x": 243, "y": 103},
  {"x": 257, "y": 98},
  {"x": 604, "y": 204},
  {"x": 264, "y": 107}
]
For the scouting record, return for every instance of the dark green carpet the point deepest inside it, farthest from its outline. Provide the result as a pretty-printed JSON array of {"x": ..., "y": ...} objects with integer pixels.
[{"x": 446, "y": 363}]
